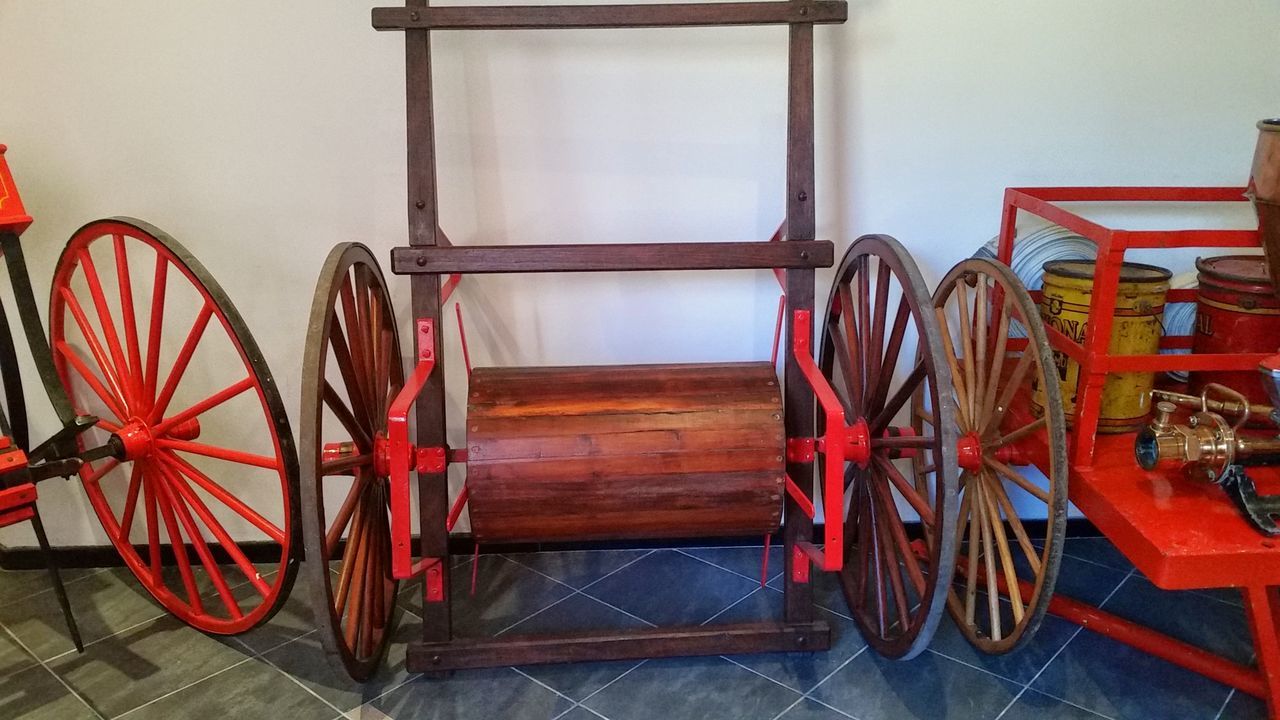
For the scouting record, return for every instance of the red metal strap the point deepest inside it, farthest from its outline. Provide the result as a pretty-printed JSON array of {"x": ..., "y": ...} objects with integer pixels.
[
  {"x": 834, "y": 440},
  {"x": 401, "y": 451}
]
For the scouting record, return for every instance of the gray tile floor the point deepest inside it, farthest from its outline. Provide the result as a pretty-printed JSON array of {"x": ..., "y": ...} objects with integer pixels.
[{"x": 141, "y": 664}]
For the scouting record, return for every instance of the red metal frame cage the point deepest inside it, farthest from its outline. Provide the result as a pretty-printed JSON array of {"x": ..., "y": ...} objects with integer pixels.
[{"x": 1179, "y": 534}]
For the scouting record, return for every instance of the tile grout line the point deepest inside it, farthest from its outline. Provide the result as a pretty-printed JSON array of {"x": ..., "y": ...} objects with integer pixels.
[
  {"x": 755, "y": 580},
  {"x": 65, "y": 583},
  {"x": 832, "y": 708},
  {"x": 731, "y": 605},
  {"x": 263, "y": 657},
  {"x": 184, "y": 687},
  {"x": 788, "y": 708},
  {"x": 1225, "y": 703},
  {"x": 83, "y": 700},
  {"x": 1065, "y": 645}
]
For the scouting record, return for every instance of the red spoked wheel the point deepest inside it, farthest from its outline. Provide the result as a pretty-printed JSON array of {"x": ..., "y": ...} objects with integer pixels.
[
  {"x": 206, "y": 459},
  {"x": 881, "y": 346},
  {"x": 352, "y": 371}
]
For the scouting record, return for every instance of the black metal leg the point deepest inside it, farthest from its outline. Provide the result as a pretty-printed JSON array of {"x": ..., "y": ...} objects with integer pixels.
[{"x": 56, "y": 578}]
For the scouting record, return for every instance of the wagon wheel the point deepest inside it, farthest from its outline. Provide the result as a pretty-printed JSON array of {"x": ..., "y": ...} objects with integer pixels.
[
  {"x": 208, "y": 458},
  {"x": 984, "y": 311},
  {"x": 896, "y": 572},
  {"x": 345, "y": 497}
]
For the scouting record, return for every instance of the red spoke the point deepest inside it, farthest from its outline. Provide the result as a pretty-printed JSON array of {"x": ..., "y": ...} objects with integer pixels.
[
  {"x": 344, "y": 415},
  {"x": 879, "y": 310},
  {"x": 203, "y": 406},
  {"x": 108, "y": 326},
  {"x": 864, "y": 542},
  {"x": 177, "y": 543},
  {"x": 202, "y": 547},
  {"x": 113, "y": 404},
  {"x": 220, "y": 453},
  {"x": 221, "y": 495},
  {"x": 130, "y": 316},
  {"x": 350, "y": 557},
  {"x": 158, "y": 289},
  {"x": 130, "y": 502},
  {"x": 912, "y": 496},
  {"x": 95, "y": 347},
  {"x": 180, "y": 363},
  {"x": 192, "y": 498},
  {"x": 357, "y": 336},
  {"x": 93, "y": 475},
  {"x": 153, "y": 527},
  {"x": 344, "y": 513}
]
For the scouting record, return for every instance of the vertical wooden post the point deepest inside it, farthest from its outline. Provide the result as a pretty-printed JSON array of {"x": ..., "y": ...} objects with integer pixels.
[
  {"x": 433, "y": 488},
  {"x": 801, "y": 225}
]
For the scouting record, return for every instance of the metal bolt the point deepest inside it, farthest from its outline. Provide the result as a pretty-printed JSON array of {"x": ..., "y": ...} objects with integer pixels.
[
  {"x": 413, "y": 16},
  {"x": 801, "y": 640},
  {"x": 804, "y": 254},
  {"x": 802, "y": 195},
  {"x": 776, "y": 416},
  {"x": 422, "y": 261},
  {"x": 420, "y": 204},
  {"x": 436, "y": 660},
  {"x": 804, "y": 11}
]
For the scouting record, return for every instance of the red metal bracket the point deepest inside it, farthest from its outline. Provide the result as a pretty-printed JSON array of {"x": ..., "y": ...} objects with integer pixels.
[
  {"x": 17, "y": 504},
  {"x": 430, "y": 460},
  {"x": 800, "y": 564},
  {"x": 800, "y": 450},
  {"x": 433, "y": 576},
  {"x": 833, "y": 446},
  {"x": 401, "y": 451}
]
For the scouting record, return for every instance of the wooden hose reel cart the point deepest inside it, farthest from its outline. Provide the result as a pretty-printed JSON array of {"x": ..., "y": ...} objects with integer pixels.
[
  {"x": 169, "y": 416},
  {"x": 911, "y": 393}
]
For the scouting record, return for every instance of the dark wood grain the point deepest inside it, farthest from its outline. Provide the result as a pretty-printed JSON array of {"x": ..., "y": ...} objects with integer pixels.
[
  {"x": 621, "y": 452},
  {"x": 476, "y": 259},
  {"x": 620, "y": 645},
  {"x": 515, "y": 17}
]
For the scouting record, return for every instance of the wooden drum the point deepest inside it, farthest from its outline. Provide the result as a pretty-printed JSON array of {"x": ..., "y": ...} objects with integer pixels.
[{"x": 624, "y": 452}]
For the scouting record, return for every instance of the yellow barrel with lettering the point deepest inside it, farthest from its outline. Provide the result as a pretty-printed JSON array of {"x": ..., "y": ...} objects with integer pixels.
[{"x": 1135, "y": 330}]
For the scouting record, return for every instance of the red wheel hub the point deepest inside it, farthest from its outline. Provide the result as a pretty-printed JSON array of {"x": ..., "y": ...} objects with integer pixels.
[
  {"x": 969, "y": 452},
  {"x": 857, "y": 448}
]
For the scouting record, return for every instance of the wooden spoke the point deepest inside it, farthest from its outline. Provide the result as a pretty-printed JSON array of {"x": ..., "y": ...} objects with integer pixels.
[
  {"x": 957, "y": 374},
  {"x": 974, "y": 554},
  {"x": 987, "y": 406},
  {"x": 344, "y": 414},
  {"x": 1015, "y": 435},
  {"x": 898, "y": 534},
  {"x": 908, "y": 492},
  {"x": 879, "y": 309},
  {"x": 342, "y": 354},
  {"x": 988, "y": 555},
  {"x": 979, "y": 386},
  {"x": 345, "y": 512},
  {"x": 1017, "y": 478},
  {"x": 892, "y": 350},
  {"x": 966, "y": 342},
  {"x": 1024, "y": 364},
  {"x": 1015, "y": 523},
  {"x": 900, "y": 396},
  {"x": 1002, "y": 545},
  {"x": 853, "y": 342}
]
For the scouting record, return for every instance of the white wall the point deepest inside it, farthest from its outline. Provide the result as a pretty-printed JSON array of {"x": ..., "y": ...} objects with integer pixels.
[{"x": 260, "y": 134}]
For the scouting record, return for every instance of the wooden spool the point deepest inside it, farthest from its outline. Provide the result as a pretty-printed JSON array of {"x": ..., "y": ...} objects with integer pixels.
[{"x": 624, "y": 452}]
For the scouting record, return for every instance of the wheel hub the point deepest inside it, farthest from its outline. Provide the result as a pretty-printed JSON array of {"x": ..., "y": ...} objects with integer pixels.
[{"x": 969, "y": 452}]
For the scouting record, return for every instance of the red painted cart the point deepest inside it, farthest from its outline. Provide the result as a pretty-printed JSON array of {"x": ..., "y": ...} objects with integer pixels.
[{"x": 1180, "y": 534}]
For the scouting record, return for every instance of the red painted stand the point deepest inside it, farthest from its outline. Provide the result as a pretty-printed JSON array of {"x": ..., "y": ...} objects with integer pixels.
[{"x": 1180, "y": 534}]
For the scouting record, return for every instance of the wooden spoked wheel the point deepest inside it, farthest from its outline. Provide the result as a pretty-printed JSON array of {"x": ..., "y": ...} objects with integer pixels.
[
  {"x": 1003, "y": 582},
  {"x": 145, "y": 340},
  {"x": 351, "y": 372},
  {"x": 881, "y": 345}
]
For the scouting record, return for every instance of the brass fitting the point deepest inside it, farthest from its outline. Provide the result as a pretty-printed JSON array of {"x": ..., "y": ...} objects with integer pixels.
[{"x": 1203, "y": 448}]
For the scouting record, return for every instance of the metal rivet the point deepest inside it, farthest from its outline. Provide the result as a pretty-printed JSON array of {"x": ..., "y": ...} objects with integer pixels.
[
  {"x": 475, "y": 428},
  {"x": 802, "y": 196},
  {"x": 422, "y": 261},
  {"x": 413, "y": 16},
  {"x": 804, "y": 11},
  {"x": 420, "y": 204}
]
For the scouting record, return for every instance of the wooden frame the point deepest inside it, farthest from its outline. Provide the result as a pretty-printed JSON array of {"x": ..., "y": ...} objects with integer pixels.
[{"x": 428, "y": 258}]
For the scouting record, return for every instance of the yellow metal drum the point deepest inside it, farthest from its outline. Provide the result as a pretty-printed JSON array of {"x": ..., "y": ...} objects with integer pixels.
[{"x": 1068, "y": 290}]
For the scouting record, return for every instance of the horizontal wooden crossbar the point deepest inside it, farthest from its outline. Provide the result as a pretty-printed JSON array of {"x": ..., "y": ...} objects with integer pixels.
[
  {"x": 479, "y": 259},
  {"x": 620, "y": 645},
  {"x": 530, "y": 17}
]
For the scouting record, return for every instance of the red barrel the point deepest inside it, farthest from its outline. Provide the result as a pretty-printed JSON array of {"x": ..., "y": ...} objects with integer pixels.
[{"x": 1236, "y": 312}]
